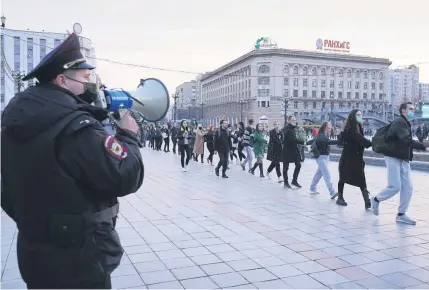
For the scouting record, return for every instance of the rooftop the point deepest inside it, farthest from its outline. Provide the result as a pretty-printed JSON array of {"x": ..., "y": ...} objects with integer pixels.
[{"x": 298, "y": 53}]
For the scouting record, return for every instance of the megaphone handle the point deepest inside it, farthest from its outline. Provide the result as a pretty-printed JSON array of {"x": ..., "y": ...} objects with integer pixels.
[{"x": 116, "y": 116}]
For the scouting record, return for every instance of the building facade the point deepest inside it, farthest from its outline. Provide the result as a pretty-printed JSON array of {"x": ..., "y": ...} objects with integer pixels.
[
  {"x": 404, "y": 85},
  {"x": 306, "y": 84},
  {"x": 22, "y": 50},
  {"x": 424, "y": 93}
]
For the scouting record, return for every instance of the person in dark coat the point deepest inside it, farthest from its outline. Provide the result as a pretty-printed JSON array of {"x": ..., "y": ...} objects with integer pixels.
[
  {"x": 352, "y": 165},
  {"x": 62, "y": 174},
  {"x": 275, "y": 149},
  {"x": 174, "y": 132},
  {"x": 290, "y": 153}
]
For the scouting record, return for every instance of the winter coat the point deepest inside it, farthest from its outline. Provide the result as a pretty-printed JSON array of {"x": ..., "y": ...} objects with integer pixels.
[
  {"x": 275, "y": 146},
  {"x": 290, "y": 151},
  {"x": 352, "y": 166},
  {"x": 259, "y": 144},
  {"x": 199, "y": 142}
]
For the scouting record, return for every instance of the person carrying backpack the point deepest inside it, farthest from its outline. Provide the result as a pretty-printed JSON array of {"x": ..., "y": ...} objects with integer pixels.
[{"x": 397, "y": 147}]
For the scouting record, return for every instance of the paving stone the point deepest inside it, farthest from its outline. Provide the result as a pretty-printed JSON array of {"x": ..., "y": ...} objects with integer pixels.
[
  {"x": 178, "y": 263},
  {"x": 188, "y": 273},
  {"x": 205, "y": 259},
  {"x": 333, "y": 263},
  {"x": 231, "y": 256},
  {"x": 122, "y": 282},
  {"x": 310, "y": 267},
  {"x": 246, "y": 264},
  {"x": 347, "y": 285},
  {"x": 219, "y": 268},
  {"x": 329, "y": 277},
  {"x": 354, "y": 273},
  {"x": 375, "y": 283},
  {"x": 285, "y": 271},
  {"x": 257, "y": 275},
  {"x": 124, "y": 270},
  {"x": 166, "y": 285},
  {"x": 198, "y": 251},
  {"x": 387, "y": 267},
  {"x": 199, "y": 283},
  {"x": 420, "y": 274},
  {"x": 401, "y": 280},
  {"x": 141, "y": 258},
  {"x": 229, "y": 279},
  {"x": 157, "y": 277},
  {"x": 273, "y": 284},
  {"x": 150, "y": 266},
  {"x": 303, "y": 282}
]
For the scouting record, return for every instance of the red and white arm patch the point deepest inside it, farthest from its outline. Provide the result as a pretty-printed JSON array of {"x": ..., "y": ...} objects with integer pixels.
[{"x": 114, "y": 148}]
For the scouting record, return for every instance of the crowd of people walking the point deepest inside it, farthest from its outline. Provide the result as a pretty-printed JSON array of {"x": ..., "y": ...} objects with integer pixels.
[{"x": 248, "y": 145}]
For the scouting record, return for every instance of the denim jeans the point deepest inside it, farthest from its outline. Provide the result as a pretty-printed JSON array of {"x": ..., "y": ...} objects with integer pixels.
[
  {"x": 398, "y": 180},
  {"x": 249, "y": 157},
  {"x": 322, "y": 171}
]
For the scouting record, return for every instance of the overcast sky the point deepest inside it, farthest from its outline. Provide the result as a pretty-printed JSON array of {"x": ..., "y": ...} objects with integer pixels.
[{"x": 201, "y": 35}]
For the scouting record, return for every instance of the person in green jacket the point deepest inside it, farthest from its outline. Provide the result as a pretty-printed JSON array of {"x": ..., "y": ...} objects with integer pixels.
[{"x": 259, "y": 143}]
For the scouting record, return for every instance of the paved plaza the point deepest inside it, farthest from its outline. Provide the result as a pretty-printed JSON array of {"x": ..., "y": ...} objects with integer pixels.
[{"x": 197, "y": 231}]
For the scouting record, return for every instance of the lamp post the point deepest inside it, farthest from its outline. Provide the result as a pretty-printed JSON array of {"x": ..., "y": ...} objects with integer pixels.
[
  {"x": 175, "y": 97},
  {"x": 3, "y": 21},
  {"x": 241, "y": 102}
]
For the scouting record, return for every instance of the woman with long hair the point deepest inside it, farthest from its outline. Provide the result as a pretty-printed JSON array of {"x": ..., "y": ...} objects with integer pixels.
[
  {"x": 275, "y": 148},
  {"x": 184, "y": 137},
  {"x": 210, "y": 143},
  {"x": 352, "y": 165},
  {"x": 259, "y": 149},
  {"x": 199, "y": 143},
  {"x": 322, "y": 147}
]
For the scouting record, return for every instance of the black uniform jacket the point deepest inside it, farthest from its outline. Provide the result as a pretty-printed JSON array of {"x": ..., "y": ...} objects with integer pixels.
[{"x": 61, "y": 176}]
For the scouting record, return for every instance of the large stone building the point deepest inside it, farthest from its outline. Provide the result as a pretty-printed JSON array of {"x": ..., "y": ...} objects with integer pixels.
[
  {"x": 262, "y": 82},
  {"x": 424, "y": 93}
]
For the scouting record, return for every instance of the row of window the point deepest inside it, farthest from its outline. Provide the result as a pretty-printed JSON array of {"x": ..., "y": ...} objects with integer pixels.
[
  {"x": 313, "y": 105},
  {"x": 238, "y": 75},
  {"x": 265, "y": 69},
  {"x": 323, "y": 94},
  {"x": 263, "y": 81}
]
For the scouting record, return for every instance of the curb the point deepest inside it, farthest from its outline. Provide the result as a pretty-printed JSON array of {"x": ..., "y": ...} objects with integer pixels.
[{"x": 415, "y": 165}]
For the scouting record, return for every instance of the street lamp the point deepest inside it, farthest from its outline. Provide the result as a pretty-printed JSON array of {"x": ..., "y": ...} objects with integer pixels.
[
  {"x": 3, "y": 21},
  {"x": 241, "y": 102}
]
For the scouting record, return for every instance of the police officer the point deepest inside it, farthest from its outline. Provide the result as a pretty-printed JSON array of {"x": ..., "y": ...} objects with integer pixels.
[{"x": 62, "y": 174}]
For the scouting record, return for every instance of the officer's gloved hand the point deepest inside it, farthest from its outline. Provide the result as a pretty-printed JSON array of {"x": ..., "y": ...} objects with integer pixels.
[{"x": 127, "y": 127}]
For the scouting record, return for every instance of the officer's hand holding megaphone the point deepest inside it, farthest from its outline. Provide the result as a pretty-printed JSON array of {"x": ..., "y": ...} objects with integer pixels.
[{"x": 127, "y": 122}]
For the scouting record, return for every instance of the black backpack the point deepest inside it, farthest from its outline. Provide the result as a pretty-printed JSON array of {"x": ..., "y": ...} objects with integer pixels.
[
  {"x": 314, "y": 151},
  {"x": 379, "y": 141}
]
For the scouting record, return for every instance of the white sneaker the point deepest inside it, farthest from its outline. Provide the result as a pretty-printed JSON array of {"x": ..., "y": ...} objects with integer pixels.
[
  {"x": 184, "y": 169},
  {"x": 238, "y": 162},
  {"x": 280, "y": 180},
  {"x": 268, "y": 175},
  {"x": 313, "y": 192}
]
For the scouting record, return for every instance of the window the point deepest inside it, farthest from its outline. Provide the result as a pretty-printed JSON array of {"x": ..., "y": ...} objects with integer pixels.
[
  {"x": 332, "y": 72},
  {"x": 349, "y": 73},
  {"x": 56, "y": 42},
  {"x": 357, "y": 95},
  {"x": 314, "y": 105},
  {"x": 373, "y": 96},
  {"x": 365, "y": 85},
  {"x": 323, "y": 94},
  {"x": 304, "y": 93},
  {"x": 30, "y": 57},
  {"x": 365, "y": 74},
  {"x": 323, "y": 105},
  {"x": 314, "y": 94},
  {"x": 380, "y": 97},
  {"x": 349, "y": 105},
  {"x": 340, "y": 73},
  {"x": 357, "y": 85},
  {"x": 340, "y": 95},
  {"x": 263, "y": 92},
  {"x": 305, "y": 82},
  {"x": 331, "y": 84},
  {"x": 373, "y": 75},
  {"x": 313, "y": 71},
  {"x": 349, "y": 84},
  {"x": 323, "y": 72},
  {"x": 381, "y": 86},
  {"x": 349, "y": 95},
  {"x": 341, "y": 105},
  {"x": 295, "y": 104},
  {"x": 373, "y": 85},
  {"x": 365, "y": 96},
  {"x": 17, "y": 53},
  {"x": 323, "y": 83},
  {"x": 264, "y": 69},
  {"x": 286, "y": 81},
  {"x": 286, "y": 70},
  {"x": 264, "y": 104},
  {"x": 295, "y": 93},
  {"x": 357, "y": 105},
  {"x": 295, "y": 70},
  {"x": 295, "y": 82},
  {"x": 42, "y": 48},
  {"x": 305, "y": 71},
  {"x": 305, "y": 105},
  {"x": 380, "y": 76},
  {"x": 286, "y": 93},
  {"x": 263, "y": 80},
  {"x": 341, "y": 84},
  {"x": 331, "y": 94},
  {"x": 314, "y": 83},
  {"x": 365, "y": 105},
  {"x": 357, "y": 74}
]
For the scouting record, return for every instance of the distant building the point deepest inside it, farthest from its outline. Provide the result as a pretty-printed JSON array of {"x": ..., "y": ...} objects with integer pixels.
[
  {"x": 258, "y": 83},
  {"x": 424, "y": 92},
  {"x": 22, "y": 50},
  {"x": 404, "y": 85}
]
